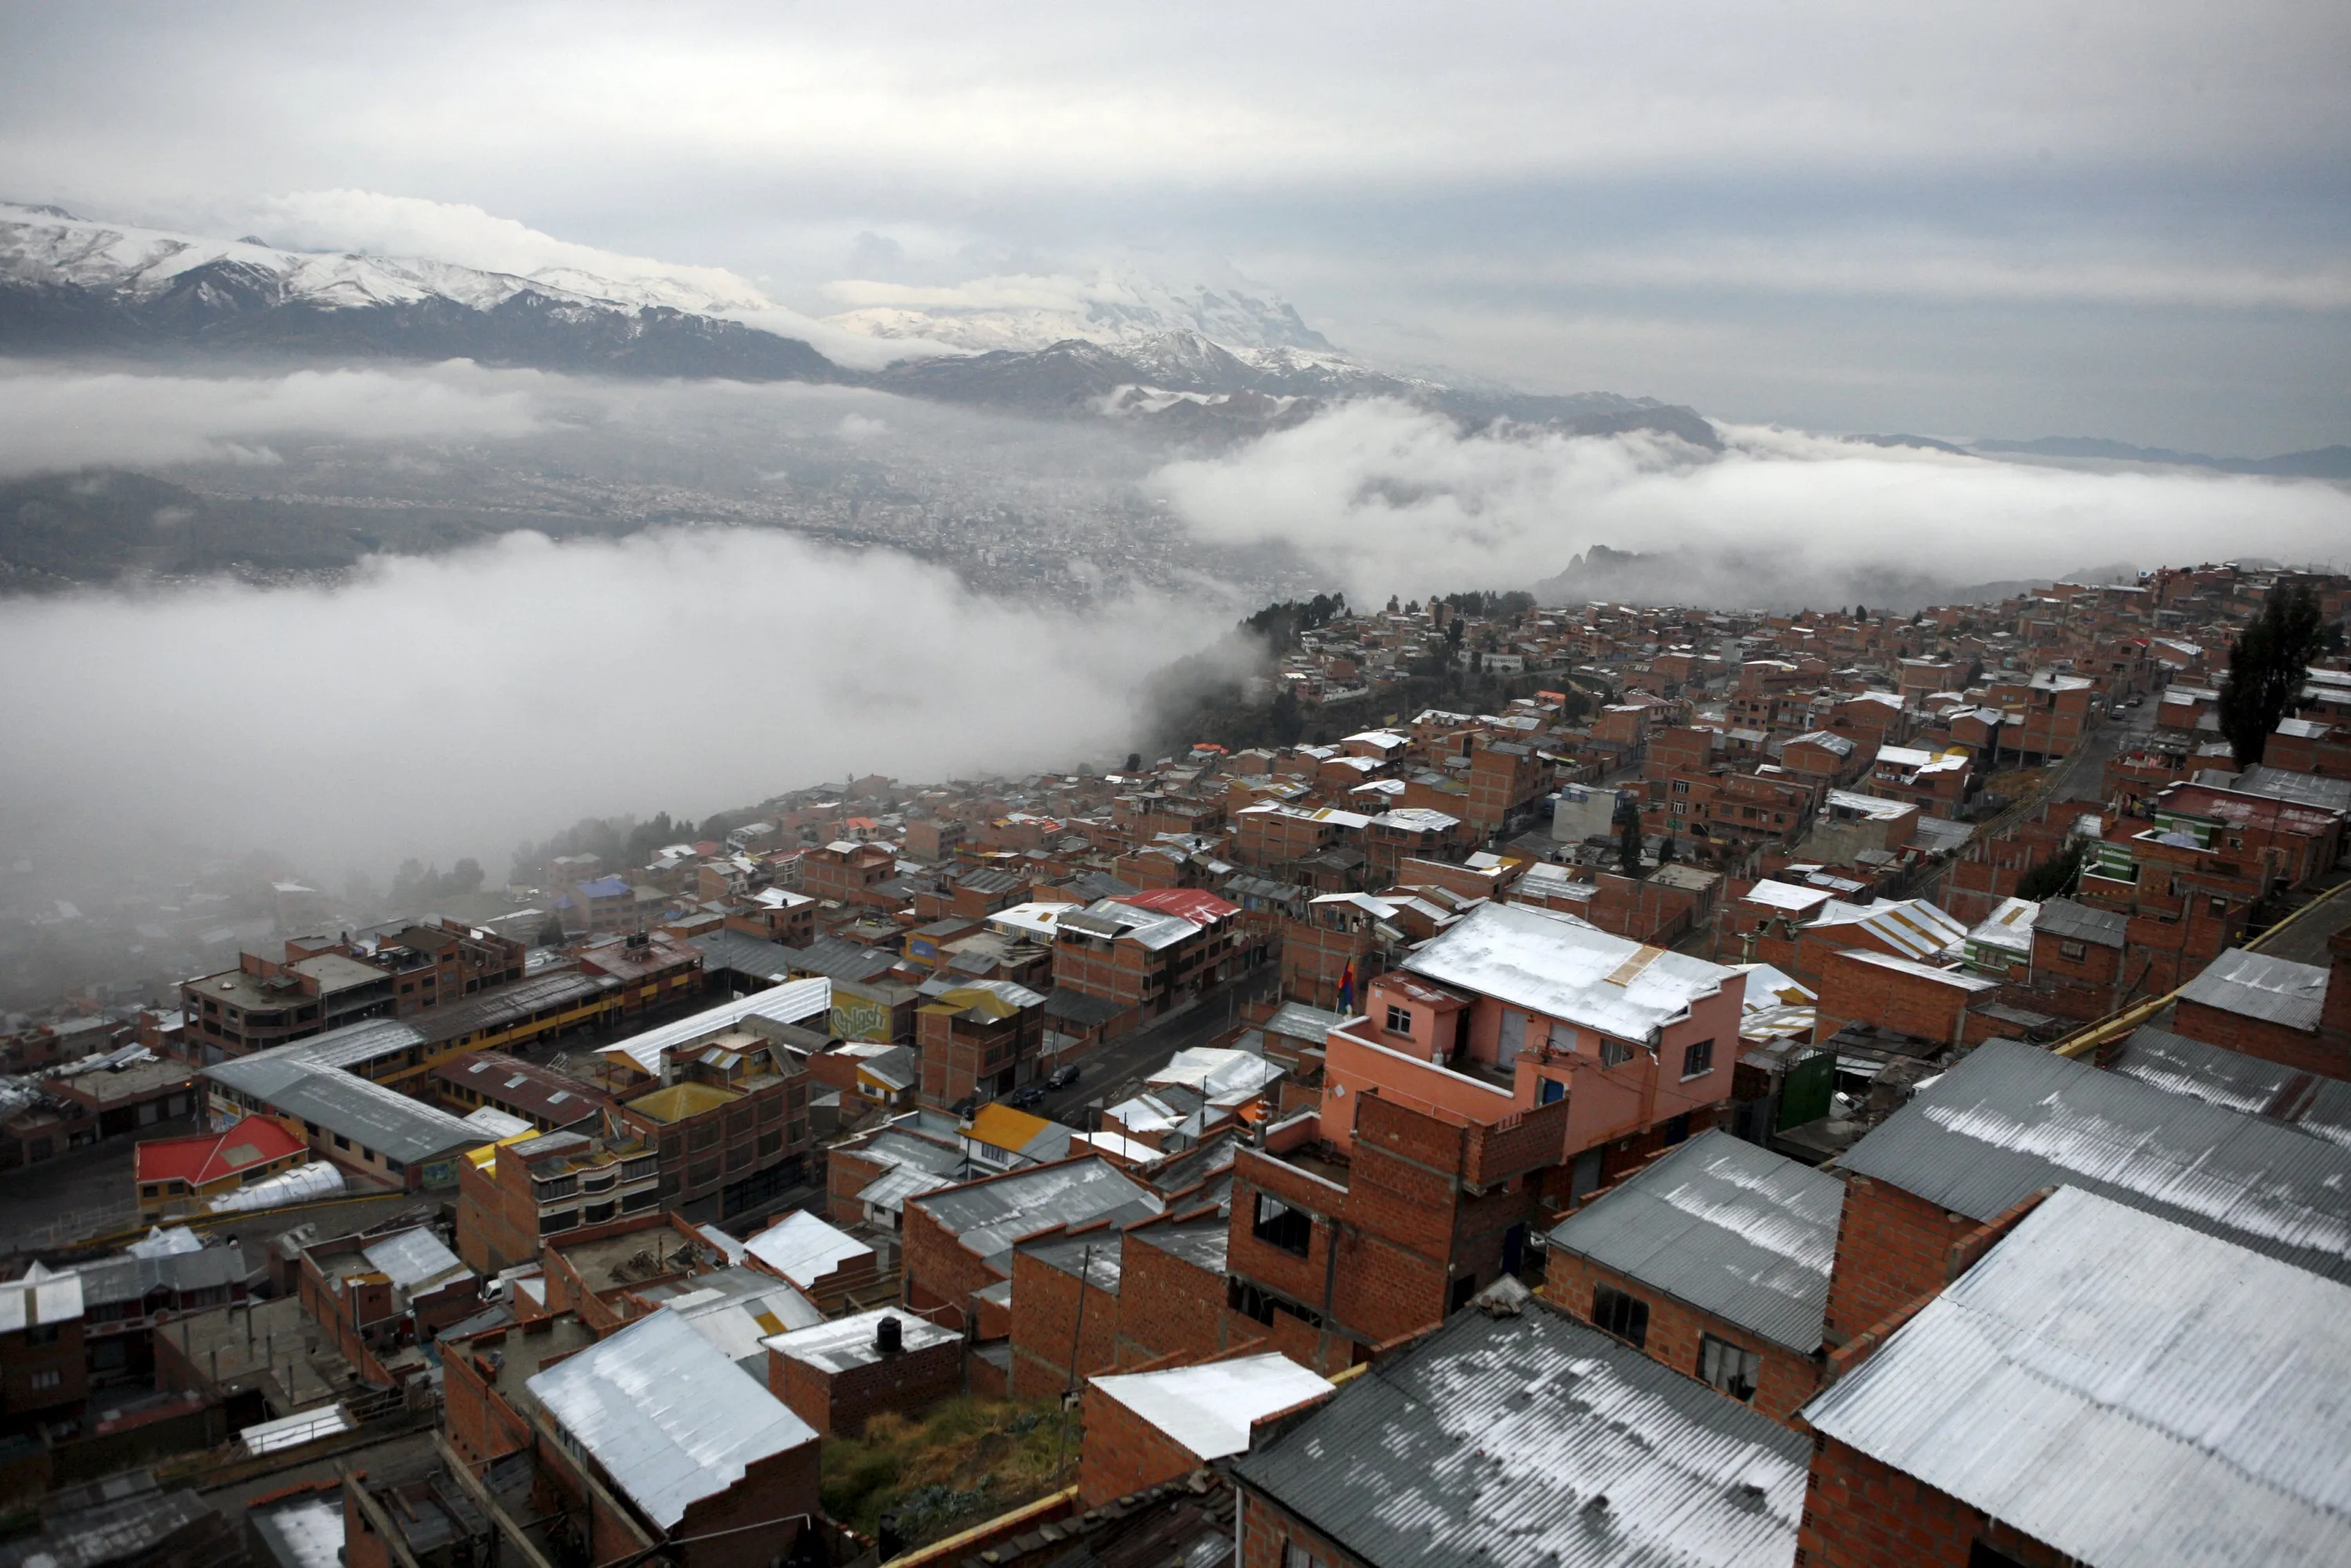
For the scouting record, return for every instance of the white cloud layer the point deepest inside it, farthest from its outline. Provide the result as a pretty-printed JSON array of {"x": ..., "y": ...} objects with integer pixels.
[
  {"x": 53, "y": 418},
  {"x": 1395, "y": 501},
  {"x": 455, "y": 705}
]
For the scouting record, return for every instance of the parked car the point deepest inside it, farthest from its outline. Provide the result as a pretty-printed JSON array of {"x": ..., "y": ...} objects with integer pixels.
[
  {"x": 1062, "y": 1076},
  {"x": 1025, "y": 1096}
]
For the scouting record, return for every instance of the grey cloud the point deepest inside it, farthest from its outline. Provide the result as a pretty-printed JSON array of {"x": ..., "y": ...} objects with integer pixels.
[
  {"x": 63, "y": 417},
  {"x": 1392, "y": 500},
  {"x": 454, "y": 705}
]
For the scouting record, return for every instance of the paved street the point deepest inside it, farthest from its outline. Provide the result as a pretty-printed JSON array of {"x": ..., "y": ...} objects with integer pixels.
[{"x": 1113, "y": 1067}]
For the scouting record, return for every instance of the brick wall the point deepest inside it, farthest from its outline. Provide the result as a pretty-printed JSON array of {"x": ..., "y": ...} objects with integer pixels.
[
  {"x": 1123, "y": 1453},
  {"x": 1892, "y": 1248},
  {"x": 1859, "y": 1513},
  {"x": 1892, "y": 999},
  {"x": 1168, "y": 1306},
  {"x": 1787, "y": 1379},
  {"x": 1047, "y": 1327},
  {"x": 940, "y": 1271},
  {"x": 848, "y": 1173},
  {"x": 2294, "y": 1048},
  {"x": 772, "y": 1488},
  {"x": 839, "y": 1404},
  {"x": 479, "y": 1424},
  {"x": 1267, "y": 1527}
]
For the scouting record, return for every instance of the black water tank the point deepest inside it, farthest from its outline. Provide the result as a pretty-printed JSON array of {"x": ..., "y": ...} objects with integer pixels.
[{"x": 887, "y": 1337}]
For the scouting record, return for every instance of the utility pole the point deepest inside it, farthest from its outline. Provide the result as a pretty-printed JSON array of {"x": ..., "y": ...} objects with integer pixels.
[{"x": 1085, "y": 1273}]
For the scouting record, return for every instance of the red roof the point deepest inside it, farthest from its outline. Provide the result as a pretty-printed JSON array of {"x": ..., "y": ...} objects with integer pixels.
[
  {"x": 1200, "y": 908},
  {"x": 214, "y": 1156}
]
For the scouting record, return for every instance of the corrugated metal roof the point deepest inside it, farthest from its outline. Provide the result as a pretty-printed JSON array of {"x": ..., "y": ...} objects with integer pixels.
[
  {"x": 2079, "y": 923},
  {"x": 792, "y": 1002},
  {"x": 1563, "y": 967},
  {"x": 1208, "y": 1408},
  {"x": 890, "y": 1191},
  {"x": 2125, "y": 1389},
  {"x": 369, "y": 1113},
  {"x": 1735, "y": 1230},
  {"x": 1537, "y": 1439},
  {"x": 988, "y": 1216},
  {"x": 412, "y": 1258},
  {"x": 39, "y": 1297},
  {"x": 2269, "y": 1090},
  {"x": 668, "y": 1415},
  {"x": 802, "y": 1248},
  {"x": 1912, "y": 927},
  {"x": 2254, "y": 985},
  {"x": 132, "y": 1279},
  {"x": 2009, "y": 1119}
]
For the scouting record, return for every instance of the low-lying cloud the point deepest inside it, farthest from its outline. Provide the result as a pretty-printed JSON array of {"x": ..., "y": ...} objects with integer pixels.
[
  {"x": 1394, "y": 500},
  {"x": 52, "y": 419},
  {"x": 455, "y": 705}
]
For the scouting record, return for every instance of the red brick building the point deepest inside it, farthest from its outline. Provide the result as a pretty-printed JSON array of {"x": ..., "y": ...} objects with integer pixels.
[
  {"x": 515, "y": 1195},
  {"x": 1146, "y": 952},
  {"x": 1714, "y": 1260},
  {"x": 2270, "y": 1008},
  {"x": 838, "y": 1375},
  {"x": 1146, "y": 1427},
  {"x": 1901, "y": 1476}
]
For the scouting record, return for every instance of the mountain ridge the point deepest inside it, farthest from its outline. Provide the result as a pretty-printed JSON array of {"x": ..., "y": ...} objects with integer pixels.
[{"x": 69, "y": 284}]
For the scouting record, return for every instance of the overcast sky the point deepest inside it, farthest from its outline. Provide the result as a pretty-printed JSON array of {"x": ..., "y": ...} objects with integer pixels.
[
  {"x": 2112, "y": 219},
  {"x": 2125, "y": 219}
]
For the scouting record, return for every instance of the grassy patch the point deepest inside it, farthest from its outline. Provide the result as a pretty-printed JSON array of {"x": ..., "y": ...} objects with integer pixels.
[{"x": 957, "y": 1464}]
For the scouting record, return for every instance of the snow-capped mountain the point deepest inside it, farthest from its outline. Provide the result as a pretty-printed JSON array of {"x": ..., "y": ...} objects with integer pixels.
[
  {"x": 69, "y": 282},
  {"x": 1116, "y": 308},
  {"x": 50, "y": 247},
  {"x": 1211, "y": 360}
]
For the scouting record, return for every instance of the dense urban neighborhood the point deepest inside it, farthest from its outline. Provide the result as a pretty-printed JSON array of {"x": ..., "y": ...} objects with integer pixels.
[{"x": 1517, "y": 1084}]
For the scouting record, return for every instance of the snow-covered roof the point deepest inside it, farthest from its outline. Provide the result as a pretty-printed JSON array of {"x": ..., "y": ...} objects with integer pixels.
[
  {"x": 2125, "y": 1389},
  {"x": 1218, "y": 1074},
  {"x": 848, "y": 1342},
  {"x": 669, "y": 1418},
  {"x": 1775, "y": 894},
  {"x": 803, "y": 1248},
  {"x": 2008, "y": 928},
  {"x": 1563, "y": 967},
  {"x": 1208, "y": 1409},
  {"x": 794, "y": 1001}
]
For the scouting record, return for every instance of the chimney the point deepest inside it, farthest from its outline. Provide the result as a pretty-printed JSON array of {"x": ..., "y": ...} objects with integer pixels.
[{"x": 888, "y": 1336}]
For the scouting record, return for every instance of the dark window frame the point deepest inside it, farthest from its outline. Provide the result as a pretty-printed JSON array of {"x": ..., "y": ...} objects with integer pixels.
[{"x": 1621, "y": 1314}]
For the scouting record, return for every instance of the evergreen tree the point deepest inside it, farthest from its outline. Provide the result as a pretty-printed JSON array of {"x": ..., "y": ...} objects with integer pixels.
[
  {"x": 1628, "y": 839},
  {"x": 1285, "y": 721},
  {"x": 2268, "y": 663},
  {"x": 2053, "y": 878}
]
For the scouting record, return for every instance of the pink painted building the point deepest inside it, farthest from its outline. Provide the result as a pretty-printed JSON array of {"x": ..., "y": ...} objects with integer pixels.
[{"x": 1519, "y": 1006}]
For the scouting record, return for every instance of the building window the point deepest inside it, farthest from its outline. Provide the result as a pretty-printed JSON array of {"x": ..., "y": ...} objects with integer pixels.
[
  {"x": 1615, "y": 1053},
  {"x": 2073, "y": 952},
  {"x": 1734, "y": 1371},
  {"x": 1697, "y": 1060},
  {"x": 1399, "y": 1021},
  {"x": 41, "y": 1333},
  {"x": 341, "y": 1141},
  {"x": 1296, "y": 1556},
  {"x": 1552, "y": 1092},
  {"x": 41, "y": 1380},
  {"x": 548, "y": 1224},
  {"x": 1279, "y": 1225},
  {"x": 1626, "y": 1317}
]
